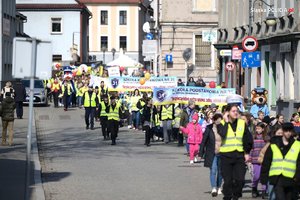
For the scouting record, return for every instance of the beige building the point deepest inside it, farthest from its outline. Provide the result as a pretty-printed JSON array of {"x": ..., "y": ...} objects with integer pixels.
[
  {"x": 115, "y": 24},
  {"x": 279, "y": 45},
  {"x": 181, "y": 24}
]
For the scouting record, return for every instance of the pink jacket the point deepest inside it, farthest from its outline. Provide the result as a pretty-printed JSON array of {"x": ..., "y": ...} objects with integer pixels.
[{"x": 194, "y": 135}]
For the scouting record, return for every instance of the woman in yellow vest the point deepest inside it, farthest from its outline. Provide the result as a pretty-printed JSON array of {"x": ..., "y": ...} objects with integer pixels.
[
  {"x": 55, "y": 89},
  {"x": 236, "y": 145},
  {"x": 281, "y": 164},
  {"x": 135, "y": 112},
  {"x": 113, "y": 115},
  {"x": 166, "y": 116}
]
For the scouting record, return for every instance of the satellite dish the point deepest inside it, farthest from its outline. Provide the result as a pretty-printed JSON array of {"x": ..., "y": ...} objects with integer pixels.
[
  {"x": 146, "y": 27},
  {"x": 187, "y": 54}
]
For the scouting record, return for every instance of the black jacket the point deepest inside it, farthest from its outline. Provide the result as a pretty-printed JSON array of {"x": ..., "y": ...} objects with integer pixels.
[
  {"x": 266, "y": 165},
  {"x": 207, "y": 147},
  {"x": 8, "y": 107},
  {"x": 20, "y": 92},
  {"x": 247, "y": 140},
  {"x": 146, "y": 115}
]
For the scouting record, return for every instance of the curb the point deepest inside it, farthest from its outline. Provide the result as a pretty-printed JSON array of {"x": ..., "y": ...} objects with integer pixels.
[{"x": 38, "y": 190}]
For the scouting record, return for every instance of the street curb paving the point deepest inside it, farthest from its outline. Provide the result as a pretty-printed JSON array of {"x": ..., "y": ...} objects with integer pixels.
[{"x": 38, "y": 190}]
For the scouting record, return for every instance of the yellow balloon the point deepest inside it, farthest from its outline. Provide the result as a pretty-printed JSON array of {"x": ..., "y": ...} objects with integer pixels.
[
  {"x": 147, "y": 76},
  {"x": 142, "y": 81}
]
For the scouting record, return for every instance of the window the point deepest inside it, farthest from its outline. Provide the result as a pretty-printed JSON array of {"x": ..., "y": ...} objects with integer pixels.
[
  {"x": 204, "y": 5},
  {"x": 56, "y": 25},
  {"x": 123, "y": 42},
  {"x": 123, "y": 17},
  {"x": 57, "y": 58},
  {"x": 202, "y": 52},
  {"x": 104, "y": 42},
  {"x": 104, "y": 17}
]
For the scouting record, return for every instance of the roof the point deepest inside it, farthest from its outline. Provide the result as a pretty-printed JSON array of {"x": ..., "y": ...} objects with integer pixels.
[
  {"x": 111, "y": 1},
  {"x": 51, "y": 7}
]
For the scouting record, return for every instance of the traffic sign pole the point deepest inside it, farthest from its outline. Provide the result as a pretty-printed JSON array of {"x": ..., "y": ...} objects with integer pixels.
[{"x": 29, "y": 133}]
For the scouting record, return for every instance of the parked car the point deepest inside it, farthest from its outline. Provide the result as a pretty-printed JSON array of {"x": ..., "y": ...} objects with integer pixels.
[{"x": 39, "y": 92}]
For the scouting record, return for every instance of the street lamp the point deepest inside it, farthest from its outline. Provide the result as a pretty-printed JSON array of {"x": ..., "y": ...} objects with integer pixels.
[
  {"x": 271, "y": 19},
  {"x": 152, "y": 25},
  {"x": 113, "y": 51},
  {"x": 103, "y": 50}
]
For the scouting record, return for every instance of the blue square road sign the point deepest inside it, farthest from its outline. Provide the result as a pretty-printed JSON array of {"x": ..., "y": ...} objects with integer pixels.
[{"x": 251, "y": 59}]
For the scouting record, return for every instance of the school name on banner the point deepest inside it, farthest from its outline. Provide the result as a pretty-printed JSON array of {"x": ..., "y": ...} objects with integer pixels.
[
  {"x": 132, "y": 83},
  {"x": 202, "y": 96}
]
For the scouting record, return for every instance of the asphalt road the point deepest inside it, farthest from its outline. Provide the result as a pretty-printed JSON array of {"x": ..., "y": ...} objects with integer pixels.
[{"x": 78, "y": 164}]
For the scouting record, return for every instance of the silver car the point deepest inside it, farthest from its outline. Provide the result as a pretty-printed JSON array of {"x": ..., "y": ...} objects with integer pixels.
[{"x": 39, "y": 92}]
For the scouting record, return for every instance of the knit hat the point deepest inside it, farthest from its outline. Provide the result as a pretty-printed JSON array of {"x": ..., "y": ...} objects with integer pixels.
[{"x": 195, "y": 117}]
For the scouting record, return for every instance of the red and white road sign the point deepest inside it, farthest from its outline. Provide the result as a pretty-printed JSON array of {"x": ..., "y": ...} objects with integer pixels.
[
  {"x": 230, "y": 66},
  {"x": 250, "y": 44},
  {"x": 237, "y": 54}
]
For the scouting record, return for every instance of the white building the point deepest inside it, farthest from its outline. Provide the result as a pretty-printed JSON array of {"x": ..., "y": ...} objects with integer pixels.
[
  {"x": 64, "y": 22},
  {"x": 116, "y": 24}
]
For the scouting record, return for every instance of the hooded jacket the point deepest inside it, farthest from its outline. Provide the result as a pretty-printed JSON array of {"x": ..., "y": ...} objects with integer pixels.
[
  {"x": 194, "y": 132},
  {"x": 266, "y": 165},
  {"x": 8, "y": 107}
]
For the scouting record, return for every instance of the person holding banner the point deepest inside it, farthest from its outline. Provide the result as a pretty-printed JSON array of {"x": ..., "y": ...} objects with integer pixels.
[
  {"x": 185, "y": 118},
  {"x": 167, "y": 116},
  {"x": 134, "y": 109}
]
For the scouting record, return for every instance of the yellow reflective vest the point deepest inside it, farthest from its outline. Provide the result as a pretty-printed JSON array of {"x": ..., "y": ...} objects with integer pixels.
[
  {"x": 63, "y": 88},
  {"x": 103, "y": 112},
  {"x": 114, "y": 113},
  {"x": 55, "y": 87},
  {"x": 134, "y": 100},
  {"x": 284, "y": 166},
  {"x": 89, "y": 101},
  {"x": 167, "y": 113},
  {"x": 233, "y": 140}
]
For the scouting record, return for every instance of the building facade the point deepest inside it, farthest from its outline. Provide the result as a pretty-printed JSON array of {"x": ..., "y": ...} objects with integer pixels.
[
  {"x": 116, "y": 24},
  {"x": 64, "y": 22},
  {"x": 11, "y": 25},
  {"x": 181, "y": 24},
  {"x": 279, "y": 46}
]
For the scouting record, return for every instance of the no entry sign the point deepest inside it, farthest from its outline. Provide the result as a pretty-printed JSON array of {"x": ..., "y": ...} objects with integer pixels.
[{"x": 250, "y": 44}]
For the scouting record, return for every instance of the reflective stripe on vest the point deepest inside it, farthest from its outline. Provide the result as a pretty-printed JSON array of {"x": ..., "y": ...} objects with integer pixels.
[
  {"x": 103, "y": 108},
  {"x": 69, "y": 89},
  {"x": 234, "y": 140},
  {"x": 55, "y": 86},
  {"x": 114, "y": 114},
  {"x": 166, "y": 113},
  {"x": 284, "y": 166},
  {"x": 89, "y": 102}
]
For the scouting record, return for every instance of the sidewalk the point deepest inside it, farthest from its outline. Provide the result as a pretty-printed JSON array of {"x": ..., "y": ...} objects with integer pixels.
[{"x": 13, "y": 165}]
